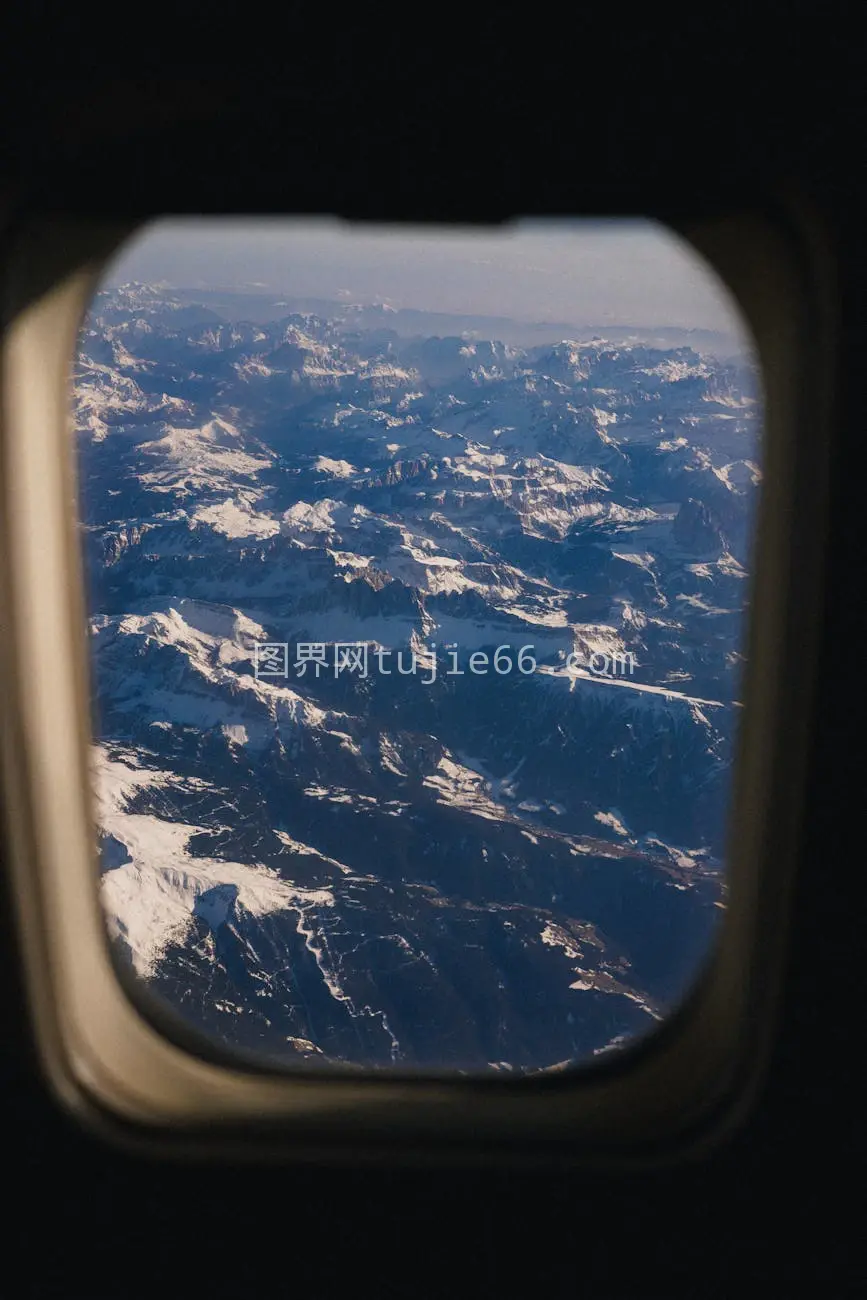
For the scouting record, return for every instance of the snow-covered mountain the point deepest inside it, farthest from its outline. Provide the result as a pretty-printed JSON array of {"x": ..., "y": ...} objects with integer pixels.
[{"x": 492, "y": 835}]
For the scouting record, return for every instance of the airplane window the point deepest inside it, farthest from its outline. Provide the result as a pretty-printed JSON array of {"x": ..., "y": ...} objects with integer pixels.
[{"x": 418, "y": 570}]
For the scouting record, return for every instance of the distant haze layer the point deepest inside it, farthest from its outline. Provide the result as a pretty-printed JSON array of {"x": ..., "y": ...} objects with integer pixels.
[{"x": 628, "y": 273}]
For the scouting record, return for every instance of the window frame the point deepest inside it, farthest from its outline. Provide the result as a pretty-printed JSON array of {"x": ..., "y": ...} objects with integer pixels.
[{"x": 673, "y": 1092}]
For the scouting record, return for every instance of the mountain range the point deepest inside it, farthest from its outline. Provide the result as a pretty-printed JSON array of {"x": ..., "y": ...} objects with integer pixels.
[{"x": 405, "y": 853}]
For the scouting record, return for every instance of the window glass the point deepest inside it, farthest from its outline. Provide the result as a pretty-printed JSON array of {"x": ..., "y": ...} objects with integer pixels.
[{"x": 418, "y": 569}]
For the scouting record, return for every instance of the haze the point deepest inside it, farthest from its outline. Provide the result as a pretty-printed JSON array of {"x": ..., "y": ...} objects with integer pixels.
[{"x": 585, "y": 273}]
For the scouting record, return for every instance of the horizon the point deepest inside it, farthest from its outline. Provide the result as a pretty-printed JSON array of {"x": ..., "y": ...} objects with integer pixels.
[
  {"x": 582, "y": 274},
  {"x": 259, "y": 289}
]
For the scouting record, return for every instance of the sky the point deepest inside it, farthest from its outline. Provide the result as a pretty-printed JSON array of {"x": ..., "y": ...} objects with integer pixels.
[{"x": 615, "y": 273}]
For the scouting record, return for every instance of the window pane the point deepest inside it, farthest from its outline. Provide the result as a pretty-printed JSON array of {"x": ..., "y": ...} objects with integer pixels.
[{"x": 418, "y": 567}]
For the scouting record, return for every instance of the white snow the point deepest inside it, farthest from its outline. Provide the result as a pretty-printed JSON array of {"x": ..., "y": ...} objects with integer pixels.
[
  {"x": 211, "y": 457},
  {"x": 150, "y": 901},
  {"x": 236, "y": 518},
  {"x": 612, "y": 820},
  {"x": 334, "y": 468}
]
